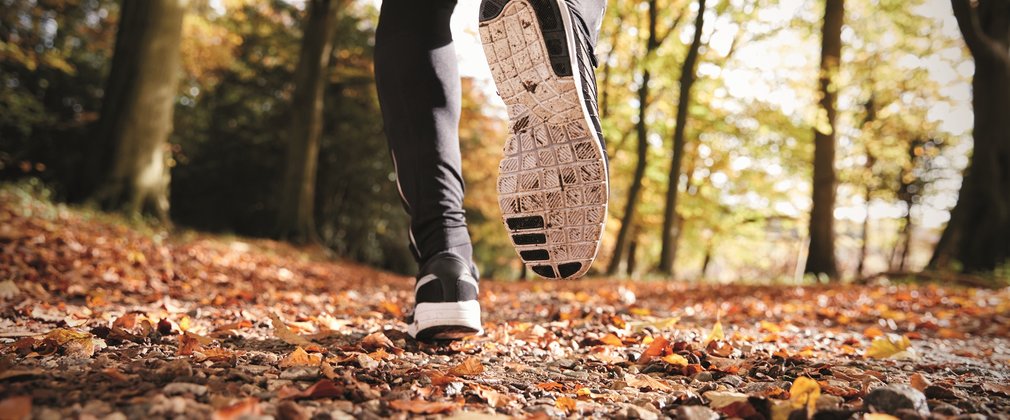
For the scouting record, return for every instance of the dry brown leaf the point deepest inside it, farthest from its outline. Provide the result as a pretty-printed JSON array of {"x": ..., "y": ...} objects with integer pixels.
[
  {"x": 376, "y": 340},
  {"x": 494, "y": 398},
  {"x": 997, "y": 388},
  {"x": 188, "y": 344},
  {"x": 325, "y": 388},
  {"x": 646, "y": 381},
  {"x": 299, "y": 357},
  {"x": 247, "y": 407},
  {"x": 470, "y": 366},
  {"x": 327, "y": 369},
  {"x": 126, "y": 322},
  {"x": 422, "y": 406},
  {"x": 215, "y": 354},
  {"x": 284, "y": 333}
]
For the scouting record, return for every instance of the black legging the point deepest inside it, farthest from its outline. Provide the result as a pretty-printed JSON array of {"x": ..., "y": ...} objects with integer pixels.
[{"x": 418, "y": 83}]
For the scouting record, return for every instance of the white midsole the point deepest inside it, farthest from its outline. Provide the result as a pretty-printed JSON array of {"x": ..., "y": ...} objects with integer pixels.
[{"x": 445, "y": 314}]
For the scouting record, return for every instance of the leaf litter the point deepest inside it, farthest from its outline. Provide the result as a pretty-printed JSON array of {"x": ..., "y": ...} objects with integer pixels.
[{"x": 156, "y": 325}]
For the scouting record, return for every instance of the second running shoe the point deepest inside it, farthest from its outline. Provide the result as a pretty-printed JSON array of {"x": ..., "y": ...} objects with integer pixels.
[{"x": 553, "y": 183}]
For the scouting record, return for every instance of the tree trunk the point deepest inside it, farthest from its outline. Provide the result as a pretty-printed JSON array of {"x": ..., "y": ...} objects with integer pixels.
[
  {"x": 865, "y": 236},
  {"x": 671, "y": 232},
  {"x": 130, "y": 172},
  {"x": 977, "y": 238},
  {"x": 906, "y": 235},
  {"x": 635, "y": 190},
  {"x": 821, "y": 254},
  {"x": 295, "y": 217},
  {"x": 632, "y": 253}
]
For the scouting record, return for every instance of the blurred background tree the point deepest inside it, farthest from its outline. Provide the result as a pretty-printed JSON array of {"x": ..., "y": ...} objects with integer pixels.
[{"x": 712, "y": 111}]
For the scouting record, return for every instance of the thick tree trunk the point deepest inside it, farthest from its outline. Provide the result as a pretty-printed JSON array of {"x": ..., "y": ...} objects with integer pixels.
[
  {"x": 977, "y": 238},
  {"x": 671, "y": 231},
  {"x": 295, "y": 217},
  {"x": 821, "y": 254},
  {"x": 635, "y": 190},
  {"x": 130, "y": 172}
]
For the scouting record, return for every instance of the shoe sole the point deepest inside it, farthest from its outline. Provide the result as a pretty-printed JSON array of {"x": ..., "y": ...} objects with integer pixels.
[
  {"x": 553, "y": 183},
  {"x": 445, "y": 321}
]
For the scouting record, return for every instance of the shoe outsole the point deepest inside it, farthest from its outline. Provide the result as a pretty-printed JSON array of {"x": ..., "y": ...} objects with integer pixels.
[{"x": 553, "y": 182}]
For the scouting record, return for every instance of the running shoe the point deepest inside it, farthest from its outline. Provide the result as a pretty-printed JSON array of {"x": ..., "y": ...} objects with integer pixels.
[
  {"x": 553, "y": 181},
  {"x": 445, "y": 300}
]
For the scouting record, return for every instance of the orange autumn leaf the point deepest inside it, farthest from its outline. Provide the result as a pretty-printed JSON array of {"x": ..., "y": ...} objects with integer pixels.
[
  {"x": 872, "y": 332},
  {"x": 550, "y": 386},
  {"x": 299, "y": 357},
  {"x": 655, "y": 349},
  {"x": 675, "y": 359},
  {"x": 565, "y": 403},
  {"x": 470, "y": 366},
  {"x": 611, "y": 340},
  {"x": 422, "y": 406},
  {"x": 247, "y": 407},
  {"x": 391, "y": 309}
]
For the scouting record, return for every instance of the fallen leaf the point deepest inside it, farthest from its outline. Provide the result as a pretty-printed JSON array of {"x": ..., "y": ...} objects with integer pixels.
[
  {"x": 376, "y": 340},
  {"x": 997, "y": 388},
  {"x": 565, "y": 403},
  {"x": 247, "y": 407},
  {"x": 878, "y": 416},
  {"x": 299, "y": 357},
  {"x": 805, "y": 392},
  {"x": 720, "y": 399},
  {"x": 422, "y": 406},
  {"x": 325, "y": 388},
  {"x": 717, "y": 334},
  {"x": 17, "y": 407},
  {"x": 655, "y": 349},
  {"x": 645, "y": 381},
  {"x": 215, "y": 354},
  {"x": 391, "y": 308},
  {"x": 550, "y": 386},
  {"x": 126, "y": 322},
  {"x": 470, "y": 366},
  {"x": 494, "y": 398},
  {"x": 919, "y": 382},
  {"x": 611, "y": 340},
  {"x": 873, "y": 332},
  {"x": 675, "y": 359},
  {"x": 284, "y": 333},
  {"x": 188, "y": 344},
  {"x": 891, "y": 347},
  {"x": 327, "y": 370},
  {"x": 63, "y": 336}
]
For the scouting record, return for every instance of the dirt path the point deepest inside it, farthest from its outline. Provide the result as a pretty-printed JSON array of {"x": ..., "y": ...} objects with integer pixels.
[{"x": 100, "y": 321}]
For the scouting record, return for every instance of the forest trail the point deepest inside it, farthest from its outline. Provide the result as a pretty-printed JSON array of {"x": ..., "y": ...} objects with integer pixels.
[{"x": 97, "y": 318}]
